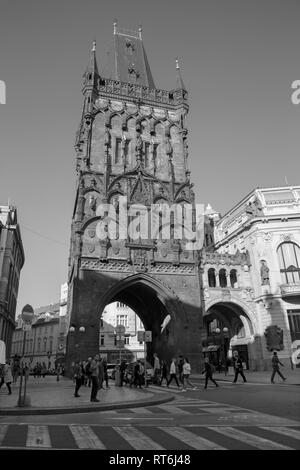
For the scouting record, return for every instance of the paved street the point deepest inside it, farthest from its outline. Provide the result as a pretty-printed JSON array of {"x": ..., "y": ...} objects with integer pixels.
[{"x": 235, "y": 416}]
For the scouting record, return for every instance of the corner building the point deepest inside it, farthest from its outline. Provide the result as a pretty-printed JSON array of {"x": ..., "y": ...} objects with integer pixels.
[
  {"x": 132, "y": 141},
  {"x": 251, "y": 279}
]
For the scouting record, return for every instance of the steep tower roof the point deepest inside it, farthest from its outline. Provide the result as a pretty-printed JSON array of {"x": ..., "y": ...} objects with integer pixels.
[{"x": 131, "y": 63}]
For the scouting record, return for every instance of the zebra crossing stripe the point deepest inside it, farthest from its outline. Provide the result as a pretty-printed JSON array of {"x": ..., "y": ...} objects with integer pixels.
[
  {"x": 38, "y": 436},
  {"x": 85, "y": 437},
  {"x": 173, "y": 409},
  {"x": 290, "y": 432},
  {"x": 191, "y": 439},
  {"x": 141, "y": 411},
  {"x": 3, "y": 430},
  {"x": 137, "y": 439},
  {"x": 255, "y": 441}
]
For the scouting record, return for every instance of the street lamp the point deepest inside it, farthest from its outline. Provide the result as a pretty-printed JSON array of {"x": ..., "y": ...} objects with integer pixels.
[
  {"x": 72, "y": 330},
  {"x": 27, "y": 316}
]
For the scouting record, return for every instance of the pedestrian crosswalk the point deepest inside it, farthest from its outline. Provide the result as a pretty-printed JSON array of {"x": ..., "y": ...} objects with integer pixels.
[
  {"x": 181, "y": 407},
  {"x": 129, "y": 437}
]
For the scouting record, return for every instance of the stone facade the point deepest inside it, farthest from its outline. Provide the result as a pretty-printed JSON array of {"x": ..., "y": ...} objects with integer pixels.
[
  {"x": 132, "y": 141},
  {"x": 11, "y": 262},
  {"x": 260, "y": 238}
]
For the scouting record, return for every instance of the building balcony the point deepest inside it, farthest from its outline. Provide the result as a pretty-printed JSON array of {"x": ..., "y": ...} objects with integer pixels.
[{"x": 290, "y": 290}]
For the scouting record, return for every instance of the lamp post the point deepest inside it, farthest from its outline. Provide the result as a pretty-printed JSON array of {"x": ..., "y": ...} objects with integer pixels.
[
  {"x": 27, "y": 316},
  {"x": 72, "y": 330}
]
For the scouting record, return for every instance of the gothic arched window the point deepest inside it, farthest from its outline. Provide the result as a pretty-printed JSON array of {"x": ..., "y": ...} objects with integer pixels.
[
  {"x": 233, "y": 278},
  {"x": 289, "y": 262},
  {"x": 223, "y": 278},
  {"x": 211, "y": 277}
]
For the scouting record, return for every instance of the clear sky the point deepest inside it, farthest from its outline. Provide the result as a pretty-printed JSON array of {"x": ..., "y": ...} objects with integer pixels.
[{"x": 238, "y": 60}]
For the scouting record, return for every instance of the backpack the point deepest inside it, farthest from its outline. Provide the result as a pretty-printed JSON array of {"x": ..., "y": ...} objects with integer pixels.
[{"x": 88, "y": 369}]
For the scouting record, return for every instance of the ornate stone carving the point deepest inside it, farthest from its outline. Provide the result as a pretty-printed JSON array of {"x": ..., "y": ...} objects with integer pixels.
[
  {"x": 267, "y": 236},
  {"x": 98, "y": 265},
  {"x": 274, "y": 338},
  {"x": 264, "y": 273}
]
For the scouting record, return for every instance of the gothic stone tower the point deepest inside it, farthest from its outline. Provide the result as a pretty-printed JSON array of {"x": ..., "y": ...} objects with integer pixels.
[{"x": 132, "y": 142}]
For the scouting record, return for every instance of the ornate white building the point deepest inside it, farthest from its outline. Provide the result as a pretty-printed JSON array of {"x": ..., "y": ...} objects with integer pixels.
[
  {"x": 251, "y": 277},
  {"x": 131, "y": 348}
]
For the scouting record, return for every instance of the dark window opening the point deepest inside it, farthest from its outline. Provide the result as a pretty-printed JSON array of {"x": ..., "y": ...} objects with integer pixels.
[
  {"x": 222, "y": 278},
  {"x": 211, "y": 277}
]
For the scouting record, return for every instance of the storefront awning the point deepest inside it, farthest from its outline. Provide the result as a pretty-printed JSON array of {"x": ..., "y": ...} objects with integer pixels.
[{"x": 212, "y": 348}]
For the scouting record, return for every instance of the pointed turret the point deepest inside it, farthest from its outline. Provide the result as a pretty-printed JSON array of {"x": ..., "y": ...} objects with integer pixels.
[
  {"x": 91, "y": 74},
  {"x": 179, "y": 81}
]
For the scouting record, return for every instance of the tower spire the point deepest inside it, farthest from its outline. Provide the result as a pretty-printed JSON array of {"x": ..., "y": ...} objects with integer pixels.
[
  {"x": 179, "y": 81},
  {"x": 92, "y": 66}
]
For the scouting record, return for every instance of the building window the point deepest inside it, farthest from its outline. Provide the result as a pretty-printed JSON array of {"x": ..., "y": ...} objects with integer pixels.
[
  {"x": 147, "y": 154},
  {"x": 39, "y": 345},
  {"x": 294, "y": 323},
  {"x": 289, "y": 262},
  {"x": 121, "y": 305},
  {"x": 118, "y": 150},
  {"x": 211, "y": 277},
  {"x": 233, "y": 278},
  {"x": 101, "y": 323},
  {"x": 122, "y": 320},
  {"x": 126, "y": 151},
  {"x": 45, "y": 344},
  {"x": 223, "y": 278},
  {"x": 126, "y": 340},
  {"x": 102, "y": 340}
]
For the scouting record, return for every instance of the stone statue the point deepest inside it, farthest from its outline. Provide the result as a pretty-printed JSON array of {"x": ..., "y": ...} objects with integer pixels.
[
  {"x": 264, "y": 273},
  {"x": 274, "y": 338},
  {"x": 93, "y": 203}
]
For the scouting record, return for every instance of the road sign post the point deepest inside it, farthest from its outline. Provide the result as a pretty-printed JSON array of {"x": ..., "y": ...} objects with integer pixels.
[
  {"x": 120, "y": 337},
  {"x": 27, "y": 316}
]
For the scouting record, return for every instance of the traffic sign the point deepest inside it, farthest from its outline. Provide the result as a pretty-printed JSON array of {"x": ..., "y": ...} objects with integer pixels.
[
  {"x": 26, "y": 327},
  {"x": 144, "y": 336},
  {"x": 148, "y": 336},
  {"x": 120, "y": 329},
  {"x": 27, "y": 314}
]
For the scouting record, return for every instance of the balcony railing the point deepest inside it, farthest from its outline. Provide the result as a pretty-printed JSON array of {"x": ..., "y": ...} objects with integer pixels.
[{"x": 290, "y": 289}]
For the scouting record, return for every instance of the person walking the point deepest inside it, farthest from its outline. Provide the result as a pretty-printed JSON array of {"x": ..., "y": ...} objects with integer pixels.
[
  {"x": 88, "y": 372},
  {"x": 164, "y": 372},
  {"x": 77, "y": 377},
  {"x": 94, "y": 367},
  {"x": 275, "y": 365},
  {"x": 157, "y": 370},
  {"x": 208, "y": 373},
  {"x": 7, "y": 377},
  {"x": 101, "y": 373},
  {"x": 238, "y": 368},
  {"x": 186, "y": 372},
  {"x": 105, "y": 373},
  {"x": 180, "y": 368},
  {"x": 173, "y": 374}
]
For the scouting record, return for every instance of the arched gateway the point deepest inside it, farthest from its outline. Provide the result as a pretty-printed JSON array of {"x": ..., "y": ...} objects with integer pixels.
[{"x": 131, "y": 155}]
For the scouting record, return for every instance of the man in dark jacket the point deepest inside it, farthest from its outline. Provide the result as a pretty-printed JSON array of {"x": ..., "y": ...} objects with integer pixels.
[
  {"x": 208, "y": 373},
  {"x": 238, "y": 368},
  {"x": 275, "y": 365},
  {"x": 78, "y": 378}
]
